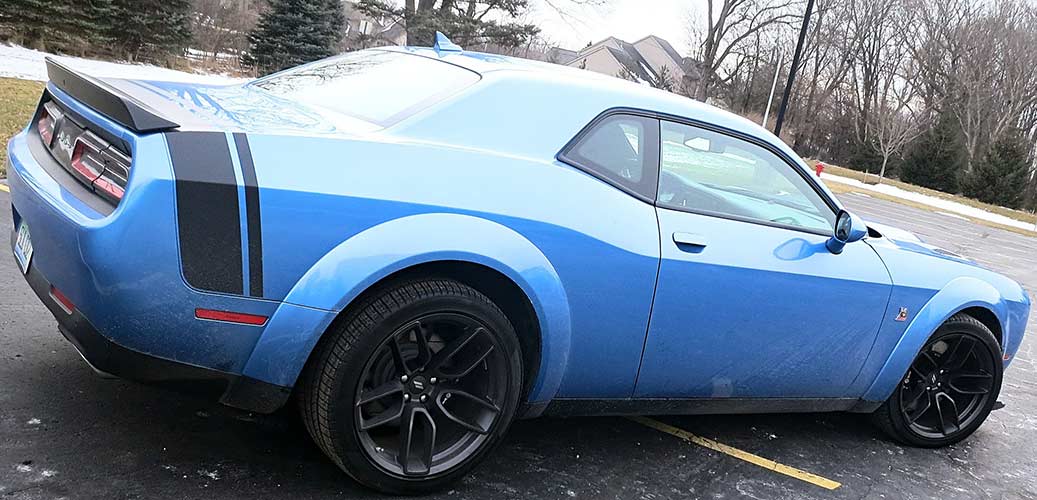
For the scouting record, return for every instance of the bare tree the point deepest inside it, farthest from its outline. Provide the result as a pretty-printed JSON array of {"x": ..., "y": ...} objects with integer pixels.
[{"x": 725, "y": 31}]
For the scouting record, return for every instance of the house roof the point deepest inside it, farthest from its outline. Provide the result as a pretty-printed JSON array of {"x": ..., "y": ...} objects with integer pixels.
[
  {"x": 670, "y": 51},
  {"x": 634, "y": 62}
]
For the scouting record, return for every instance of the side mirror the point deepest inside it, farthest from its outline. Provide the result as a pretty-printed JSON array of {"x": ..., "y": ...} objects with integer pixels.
[{"x": 848, "y": 229}]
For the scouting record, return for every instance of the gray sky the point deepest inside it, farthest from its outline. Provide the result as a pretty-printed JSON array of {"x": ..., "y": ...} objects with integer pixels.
[{"x": 629, "y": 20}]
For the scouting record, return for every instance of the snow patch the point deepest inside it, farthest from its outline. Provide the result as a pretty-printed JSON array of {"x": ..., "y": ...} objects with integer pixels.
[
  {"x": 33, "y": 421},
  {"x": 48, "y": 473},
  {"x": 940, "y": 203},
  {"x": 27, "y": 64},
  {"x": 23, "y": 468}
]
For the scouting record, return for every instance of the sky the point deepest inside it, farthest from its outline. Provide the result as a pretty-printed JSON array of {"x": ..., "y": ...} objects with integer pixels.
[{"x": 628, "y": 20}]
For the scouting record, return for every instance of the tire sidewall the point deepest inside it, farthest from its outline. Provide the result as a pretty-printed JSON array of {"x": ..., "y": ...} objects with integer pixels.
[
  {"x": 993, "y": 348},
  {"x": 345, "y": 439}
]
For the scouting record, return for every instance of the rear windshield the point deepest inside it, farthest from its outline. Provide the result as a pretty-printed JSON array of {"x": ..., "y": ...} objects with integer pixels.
[{"x": 376, "y": 86}]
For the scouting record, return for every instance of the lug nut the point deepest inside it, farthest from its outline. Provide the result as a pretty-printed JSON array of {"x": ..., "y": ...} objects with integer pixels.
[
  {"x": 432, "y": 380},
  {"x": 403, "y": 379},
  {"x": 406, "y": 397},
  {"x": 424, "y": 398}
]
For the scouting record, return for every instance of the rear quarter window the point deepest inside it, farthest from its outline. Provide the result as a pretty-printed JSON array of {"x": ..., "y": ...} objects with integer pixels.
[{"x": 377, "y": 86}]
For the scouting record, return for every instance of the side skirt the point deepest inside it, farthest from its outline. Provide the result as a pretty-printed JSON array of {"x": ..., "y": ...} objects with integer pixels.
[{"x": 698, "y": 406}]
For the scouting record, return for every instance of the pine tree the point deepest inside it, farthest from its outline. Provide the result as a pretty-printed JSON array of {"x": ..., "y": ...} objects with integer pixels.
[
  {"x": 26, "y": 21},
  {"x": 292, "y": 32},
  {"x": 934, "y": 159},
  {"x": 67, "y": 26},
  {"x": 1000, "y": 177},
  {"x": 150, "y": 30}
]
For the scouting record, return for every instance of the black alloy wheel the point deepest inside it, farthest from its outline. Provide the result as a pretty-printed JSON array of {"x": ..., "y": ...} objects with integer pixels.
[
  {"x": 430, "y": 395},
  {"x": 414, "y": 386},
  {"x": 950, "y": 388}
]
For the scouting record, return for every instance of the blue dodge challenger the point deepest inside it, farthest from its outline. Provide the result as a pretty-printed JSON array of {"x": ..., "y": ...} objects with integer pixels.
[{"x": 416, "y": 246}]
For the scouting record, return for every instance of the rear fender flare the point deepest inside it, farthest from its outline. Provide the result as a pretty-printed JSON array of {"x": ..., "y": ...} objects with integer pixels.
[
  {"x": 356, "y": 264},
  {"x": 960, "y": 294}
]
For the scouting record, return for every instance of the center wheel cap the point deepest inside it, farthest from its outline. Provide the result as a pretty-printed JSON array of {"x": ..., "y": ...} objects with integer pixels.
[{"x": 418, "y": 385}]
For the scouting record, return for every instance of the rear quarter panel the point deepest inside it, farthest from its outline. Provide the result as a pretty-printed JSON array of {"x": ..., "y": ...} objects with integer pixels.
[{"x": 322, "y": 194}]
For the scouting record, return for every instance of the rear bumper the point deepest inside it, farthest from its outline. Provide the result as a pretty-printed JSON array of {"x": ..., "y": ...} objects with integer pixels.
[
  {"x": 110, "y": 358},
  {"x": 134, "y": 313}
]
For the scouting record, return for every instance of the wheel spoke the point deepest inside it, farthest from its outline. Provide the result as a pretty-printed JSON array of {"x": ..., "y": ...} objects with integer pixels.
[
  {"x": 922, "y": 404},
  {"x": 416, "y": 424},
  {"x": 948, "y": 413},
  {"x": 971, "y": 383},
  {"x": 467, "y": 410},
  {"x": 421, "y": 338},
  {"x": 397, "y": 357},
  {"x": 390, "y": 415},
  {"x": 462, "y": 365},
  {"x": 913, "y": 399},
  {"x": 384, "y": 390},
  {"x": 924, "y": 366},
  {"x": 959, "y": 354}
]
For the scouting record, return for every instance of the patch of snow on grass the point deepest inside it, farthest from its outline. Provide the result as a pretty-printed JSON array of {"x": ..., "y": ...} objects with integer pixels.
[
  {"x": 940, "y": 203},
  {"x": 27, "y": 64}
]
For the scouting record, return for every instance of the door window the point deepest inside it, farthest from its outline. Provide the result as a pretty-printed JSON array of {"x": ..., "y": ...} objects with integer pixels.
[{"x": 704, "y": 171}]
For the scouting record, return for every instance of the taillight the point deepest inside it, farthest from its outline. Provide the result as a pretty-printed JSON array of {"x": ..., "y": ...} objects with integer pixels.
[
  {"x": 86, "y": 158},
  {"x": 112, "y": 182},
  {"x": 100, "y": 165},
  {"x": 49, "y": 116}
]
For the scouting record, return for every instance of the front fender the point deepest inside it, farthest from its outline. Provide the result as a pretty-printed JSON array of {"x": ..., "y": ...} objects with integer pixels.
[
  {"x": 959, "y": 294},
  {"x": 350, "y": 268}
]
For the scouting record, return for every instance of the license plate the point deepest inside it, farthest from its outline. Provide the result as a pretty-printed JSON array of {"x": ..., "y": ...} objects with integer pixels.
[{"x": 23, "y": 247}]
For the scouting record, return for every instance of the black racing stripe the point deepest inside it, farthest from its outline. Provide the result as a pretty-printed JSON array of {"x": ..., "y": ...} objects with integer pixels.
[
  {"x": 207, "y": 213},
  {"x": 252, "y": 216}
]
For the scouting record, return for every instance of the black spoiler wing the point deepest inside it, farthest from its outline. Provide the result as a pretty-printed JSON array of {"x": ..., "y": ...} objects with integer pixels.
[{"x": 106, "y": 100}]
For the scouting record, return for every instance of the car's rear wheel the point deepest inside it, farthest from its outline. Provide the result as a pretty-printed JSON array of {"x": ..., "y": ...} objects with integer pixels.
[
  {"x": 950, "y": 388},
  {"x": 412, "y": 388}
]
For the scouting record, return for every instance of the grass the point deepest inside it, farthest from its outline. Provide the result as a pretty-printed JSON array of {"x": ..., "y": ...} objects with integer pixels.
[
  {"x": 1018, "y": 215},
  {"x": 18, "y": 99}
]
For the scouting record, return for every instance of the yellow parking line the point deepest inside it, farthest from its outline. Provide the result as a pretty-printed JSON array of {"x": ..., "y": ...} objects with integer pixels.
[
  {"x": 739, "y": 454},
  {"x": 3, "y": 187}
]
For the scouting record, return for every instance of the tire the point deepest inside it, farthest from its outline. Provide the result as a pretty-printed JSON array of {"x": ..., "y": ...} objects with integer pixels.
[
  {"x": 970, "y": 390},
  {"x": 372, "y": 366}
]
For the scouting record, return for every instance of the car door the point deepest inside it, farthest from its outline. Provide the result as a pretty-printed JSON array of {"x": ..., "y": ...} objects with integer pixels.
[{"x": 749, "y": 301}]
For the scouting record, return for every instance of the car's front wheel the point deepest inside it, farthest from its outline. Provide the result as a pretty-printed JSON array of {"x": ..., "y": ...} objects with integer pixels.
[
  {"x": 950, "y": 388},
  {"x": 414, "y": 387}
]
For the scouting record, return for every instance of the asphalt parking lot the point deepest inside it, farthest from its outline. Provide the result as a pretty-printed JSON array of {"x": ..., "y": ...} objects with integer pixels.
[{"x": 64, "y": 433}]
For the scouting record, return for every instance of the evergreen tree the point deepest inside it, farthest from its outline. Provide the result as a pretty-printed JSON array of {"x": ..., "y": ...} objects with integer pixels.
[
  {"x": 1001, "y": 175},
  {"x": 292, "y": 32},
  {"x": 934, "y": 159},
  {"x": 68, "y": 26},
  {"x": 465, "y": 23},
  {"x": 150, "y": 30}
]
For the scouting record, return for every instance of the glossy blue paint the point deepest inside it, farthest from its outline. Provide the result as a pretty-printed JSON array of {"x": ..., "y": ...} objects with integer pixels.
[{"x": 760, "y": 311}]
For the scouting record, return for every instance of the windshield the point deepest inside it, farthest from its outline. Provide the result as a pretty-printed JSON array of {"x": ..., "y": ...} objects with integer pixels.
[{"x": 377, "y": 86}]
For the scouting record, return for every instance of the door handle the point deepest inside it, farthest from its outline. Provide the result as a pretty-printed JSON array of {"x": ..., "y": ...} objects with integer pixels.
[{"x": 689, "y": 239}]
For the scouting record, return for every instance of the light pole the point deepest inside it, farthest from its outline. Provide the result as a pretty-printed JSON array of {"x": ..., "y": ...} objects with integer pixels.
[
  {"x": 774, "y": 83},
  {"x": 792, "y": 70}
]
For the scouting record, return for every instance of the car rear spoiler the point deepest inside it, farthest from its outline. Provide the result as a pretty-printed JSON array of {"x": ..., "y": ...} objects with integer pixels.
[{"x": 106, "y": 100}]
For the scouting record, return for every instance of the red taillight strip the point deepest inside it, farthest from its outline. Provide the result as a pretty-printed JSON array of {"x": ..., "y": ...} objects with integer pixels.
[
  {"x": 230, "y": 317},
  {"x": 45, "y": 126},
  {"x": 62, "y": 300},
  {"x": 81, "y": 160}
]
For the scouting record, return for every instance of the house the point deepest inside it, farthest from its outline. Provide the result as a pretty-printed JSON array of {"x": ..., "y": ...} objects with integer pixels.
[
  {"x": 362, "y": 31},
  {"x": 642, "y": 61}
]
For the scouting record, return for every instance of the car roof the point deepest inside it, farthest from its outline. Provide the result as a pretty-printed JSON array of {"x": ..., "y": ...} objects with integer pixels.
[{"x": 634, "y": 95}]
